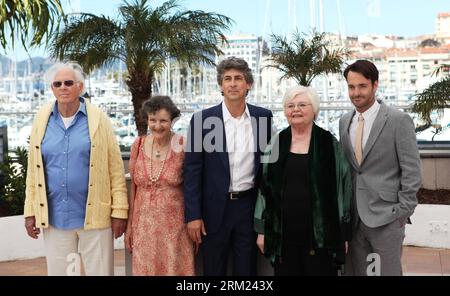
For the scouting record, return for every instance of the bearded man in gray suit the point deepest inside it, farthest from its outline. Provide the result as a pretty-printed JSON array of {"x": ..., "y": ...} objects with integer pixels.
[{"x": 381, "y": 146}]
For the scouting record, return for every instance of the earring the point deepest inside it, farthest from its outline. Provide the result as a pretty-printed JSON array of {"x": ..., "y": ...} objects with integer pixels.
[{"x": 149, "y": 131}]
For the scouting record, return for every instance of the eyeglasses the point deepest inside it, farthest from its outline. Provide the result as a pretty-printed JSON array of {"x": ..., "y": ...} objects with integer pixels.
[
  {"x": 301, "y": 106},
  {"x": 58, "y": 84}
]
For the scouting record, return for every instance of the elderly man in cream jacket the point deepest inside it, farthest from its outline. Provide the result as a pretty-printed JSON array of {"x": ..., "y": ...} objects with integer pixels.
[{"x": 76, "y": 191}]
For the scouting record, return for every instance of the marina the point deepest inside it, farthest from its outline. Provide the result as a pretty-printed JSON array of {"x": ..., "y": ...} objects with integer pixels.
[{"x": 17, "y": 112}]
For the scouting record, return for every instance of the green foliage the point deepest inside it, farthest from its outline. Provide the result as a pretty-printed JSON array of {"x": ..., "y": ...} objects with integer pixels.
[
  {"x": 305, "y": 57},
  {"x": 435, "y": 98},
  {"x": 12, "y": 191},
  {"x": 144, "y": 38},
  {"x": 28, "y": 20}
]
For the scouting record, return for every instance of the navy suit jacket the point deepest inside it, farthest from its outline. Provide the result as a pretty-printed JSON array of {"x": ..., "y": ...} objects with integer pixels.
[{"x": 207, "y": 171}]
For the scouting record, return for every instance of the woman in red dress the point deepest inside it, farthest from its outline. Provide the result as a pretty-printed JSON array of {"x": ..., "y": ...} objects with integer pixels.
[{"x": 156, "y": 232}]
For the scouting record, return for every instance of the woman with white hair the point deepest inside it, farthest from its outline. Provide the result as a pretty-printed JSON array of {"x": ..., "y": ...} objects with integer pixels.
[
  {"x": 76, "y": 189},
  {"x": 302, "y": 214}
]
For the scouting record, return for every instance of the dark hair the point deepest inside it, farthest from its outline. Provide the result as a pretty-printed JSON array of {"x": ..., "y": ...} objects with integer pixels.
[
  {"x": 156, "y": 103},
  {"x": 365, "y": 68},
  {"x": 236, "y": 64}
]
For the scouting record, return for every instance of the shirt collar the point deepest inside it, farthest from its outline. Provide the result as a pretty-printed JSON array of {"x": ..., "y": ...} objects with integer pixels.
[
  {"x": 81, "y": 108},
  {"x": 369, "y": 112},
  {"x": 227, "y": 115}
]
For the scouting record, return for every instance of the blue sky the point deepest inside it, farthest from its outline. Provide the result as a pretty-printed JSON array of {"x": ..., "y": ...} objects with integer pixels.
[{"x": 396, "y": 17}]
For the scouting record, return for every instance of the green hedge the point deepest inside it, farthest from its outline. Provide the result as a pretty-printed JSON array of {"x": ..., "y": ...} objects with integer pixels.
[{"x": 13, "y": 182}]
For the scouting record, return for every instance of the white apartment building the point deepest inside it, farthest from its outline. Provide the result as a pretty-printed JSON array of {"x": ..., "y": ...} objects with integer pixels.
[
  {"x": 443, "y": 27},
  {"x": 247, "y": 47},
  {"x": 404, "y": 72},
  {"x": 430, "y": 59}
]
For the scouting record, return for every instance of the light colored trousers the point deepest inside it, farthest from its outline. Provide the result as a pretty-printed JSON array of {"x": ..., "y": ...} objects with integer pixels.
[
  {"x": 376, "y": 251},
  {"x": 63, "y": 249}
]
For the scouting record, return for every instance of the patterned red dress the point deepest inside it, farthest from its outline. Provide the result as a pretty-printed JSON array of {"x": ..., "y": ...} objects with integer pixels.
[{"x": 161, "y": 245}]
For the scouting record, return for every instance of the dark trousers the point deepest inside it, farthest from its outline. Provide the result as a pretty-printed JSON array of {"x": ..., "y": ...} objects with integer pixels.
[
  {"x": 235, "y": 233},
  {"x": 299, "y": 260}
]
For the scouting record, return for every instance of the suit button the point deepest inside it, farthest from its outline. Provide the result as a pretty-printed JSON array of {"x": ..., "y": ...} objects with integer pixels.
[
  {"x": 43, "y": 224},
  {"x": 40, "y": 185},
  {"x": 359, "y": 173},
  {"x": 37, "y": 147},
  {"x": 42, "y": 205},
  {"x": 38, "y": 166}
]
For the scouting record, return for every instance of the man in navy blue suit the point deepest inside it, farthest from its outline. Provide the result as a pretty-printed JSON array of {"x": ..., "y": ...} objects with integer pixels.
[{"x": 221, "y": 173}]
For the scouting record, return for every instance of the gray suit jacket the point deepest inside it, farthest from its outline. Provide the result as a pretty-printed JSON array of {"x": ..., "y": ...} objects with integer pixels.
[{"x": 386, "y": 183}]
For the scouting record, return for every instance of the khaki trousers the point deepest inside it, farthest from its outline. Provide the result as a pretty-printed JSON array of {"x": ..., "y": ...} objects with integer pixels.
[{"x": 64, "y": 247}]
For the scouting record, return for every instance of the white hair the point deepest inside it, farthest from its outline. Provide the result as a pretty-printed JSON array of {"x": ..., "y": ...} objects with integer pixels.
[
  {"x": 74, "y": 66},
  {"x": 310, "y": 93}
]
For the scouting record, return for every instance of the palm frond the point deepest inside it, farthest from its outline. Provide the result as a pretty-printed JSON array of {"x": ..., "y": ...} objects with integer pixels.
[
  {"x": 89, "y": 39},
  {"x": 435, "y": 97},
  {"x": 304, "y": 58},
  {"x": 441, "y": 69},
  {"x": 194, "y": 35},
  {"x": 31, "y": 21}
]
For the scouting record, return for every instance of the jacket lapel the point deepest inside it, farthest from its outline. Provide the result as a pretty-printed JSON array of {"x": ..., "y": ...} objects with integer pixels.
[
  {"x": 224, "y": 153},
  {"x": 377, "y": 127},
  {"x": 93, "y": 119},
  {"x": 255, "y": 132},
  {"x": 43, "y": 121}
]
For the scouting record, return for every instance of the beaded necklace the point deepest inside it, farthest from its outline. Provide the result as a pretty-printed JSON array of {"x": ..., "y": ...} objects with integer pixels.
[{"x": 154, "y": 179}]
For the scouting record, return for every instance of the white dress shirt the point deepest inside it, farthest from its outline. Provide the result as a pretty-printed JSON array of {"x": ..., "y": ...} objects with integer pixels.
[
  {"x": 240, "y": 147},
  {"x": 369, "y": 118}
]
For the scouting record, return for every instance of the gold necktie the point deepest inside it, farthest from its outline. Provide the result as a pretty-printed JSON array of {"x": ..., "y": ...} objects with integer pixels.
[{"x": 359, "y": 139}]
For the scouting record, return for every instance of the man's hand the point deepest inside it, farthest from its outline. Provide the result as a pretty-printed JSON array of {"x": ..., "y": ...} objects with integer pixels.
[
  {"x": 260, "y": 242},
  {"x": 30, "y": 226},
  {"x": 118, "y": 226},
  {"x": 195, "y": 230}
]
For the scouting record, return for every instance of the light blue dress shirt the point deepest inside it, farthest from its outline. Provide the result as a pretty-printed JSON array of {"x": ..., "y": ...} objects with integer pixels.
[{"x": 66, "y": 156}]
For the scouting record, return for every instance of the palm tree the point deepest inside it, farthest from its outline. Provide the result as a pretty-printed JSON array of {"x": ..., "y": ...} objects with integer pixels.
[
  {"x": 305, "y": 58},
  {"x": 143, "y": 38},
  {"x": 435, "y": 97},
  {"x": 25, "y": 19}
]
